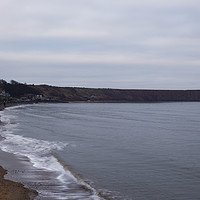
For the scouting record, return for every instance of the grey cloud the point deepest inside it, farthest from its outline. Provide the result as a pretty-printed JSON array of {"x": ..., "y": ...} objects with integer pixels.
[
  {"x": 142, "y": 34},
  {"x": 131, "y": 76}
]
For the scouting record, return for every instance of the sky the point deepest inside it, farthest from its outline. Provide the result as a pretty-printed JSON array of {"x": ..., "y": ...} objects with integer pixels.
[{"x": 146, "y": 44}]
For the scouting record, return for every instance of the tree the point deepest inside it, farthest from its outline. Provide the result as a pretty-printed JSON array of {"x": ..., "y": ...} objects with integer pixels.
[
  {"x": 13, "y": 82},
  {"x": 3, "y": 81}
]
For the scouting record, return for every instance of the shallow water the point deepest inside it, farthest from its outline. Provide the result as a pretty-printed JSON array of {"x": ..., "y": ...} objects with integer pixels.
[{"x": 124, "y": 151}]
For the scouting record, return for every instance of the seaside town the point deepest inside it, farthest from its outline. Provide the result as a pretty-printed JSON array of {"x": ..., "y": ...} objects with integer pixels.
[
  {"x": 7, "y": 98},
  {"x": 15, "y": 92}
]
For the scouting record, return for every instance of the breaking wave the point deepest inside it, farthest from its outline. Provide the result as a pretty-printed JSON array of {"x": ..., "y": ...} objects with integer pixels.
[{"x": 40, "y": 154}]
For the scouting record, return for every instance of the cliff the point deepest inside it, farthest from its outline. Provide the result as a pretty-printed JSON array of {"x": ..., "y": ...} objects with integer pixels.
[{"x": 66, "y": 94}]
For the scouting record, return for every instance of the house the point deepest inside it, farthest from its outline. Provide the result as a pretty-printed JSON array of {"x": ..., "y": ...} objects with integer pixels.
[
  {"x": 4, "y": 94},
  {"x": 39, "y": 97},
  {"x": 31, "y": 97}
]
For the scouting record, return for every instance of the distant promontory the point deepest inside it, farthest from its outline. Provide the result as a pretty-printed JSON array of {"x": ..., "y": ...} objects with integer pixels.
[{"x": 15, "y": 91}]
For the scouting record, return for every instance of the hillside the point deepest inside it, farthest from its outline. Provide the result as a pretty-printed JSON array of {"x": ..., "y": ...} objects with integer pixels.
[{"x": 66, "y": 94}]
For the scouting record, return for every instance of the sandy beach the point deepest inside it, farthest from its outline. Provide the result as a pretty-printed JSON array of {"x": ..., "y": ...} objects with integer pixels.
[{"x": 10, "y": 190}]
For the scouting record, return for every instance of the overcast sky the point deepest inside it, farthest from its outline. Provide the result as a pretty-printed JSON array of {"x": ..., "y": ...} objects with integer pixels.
[{"x": 151, "y": 44}]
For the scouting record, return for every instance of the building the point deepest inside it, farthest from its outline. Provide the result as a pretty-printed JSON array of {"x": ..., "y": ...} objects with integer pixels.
[{"x": 4, "y": 94}]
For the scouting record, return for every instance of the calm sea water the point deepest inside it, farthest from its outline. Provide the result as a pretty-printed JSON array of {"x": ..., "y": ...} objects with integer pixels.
[{"x": 122, "y": 151}]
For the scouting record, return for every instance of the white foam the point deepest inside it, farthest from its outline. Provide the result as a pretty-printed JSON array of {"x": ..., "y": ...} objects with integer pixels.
[
  {"x": 40, "y": 154},
  {"x": 17, "y": 107}
]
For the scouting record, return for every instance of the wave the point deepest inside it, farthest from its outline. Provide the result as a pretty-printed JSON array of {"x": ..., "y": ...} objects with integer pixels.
[
  {"x": 38, "y": 116},
  {"x": 40, "y": 154}
]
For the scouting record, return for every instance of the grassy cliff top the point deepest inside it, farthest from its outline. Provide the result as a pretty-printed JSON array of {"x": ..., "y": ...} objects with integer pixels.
[{"x": 65, "y": 94}]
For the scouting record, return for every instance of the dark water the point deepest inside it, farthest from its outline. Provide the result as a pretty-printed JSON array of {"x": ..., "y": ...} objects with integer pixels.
[{"x": 125, "y": 151}]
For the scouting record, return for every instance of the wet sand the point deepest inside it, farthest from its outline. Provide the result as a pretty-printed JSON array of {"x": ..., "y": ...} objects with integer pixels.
[{"x": 10, "y": 190}]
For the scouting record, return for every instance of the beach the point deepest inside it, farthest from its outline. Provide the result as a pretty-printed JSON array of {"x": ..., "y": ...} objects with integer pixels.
[{"x": 10, "y": 190}]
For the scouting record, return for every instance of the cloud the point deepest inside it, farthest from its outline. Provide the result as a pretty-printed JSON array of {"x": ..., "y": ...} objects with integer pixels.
[
  {"x": 45, "y": 57},
  {"x": 158, "y": 36}
]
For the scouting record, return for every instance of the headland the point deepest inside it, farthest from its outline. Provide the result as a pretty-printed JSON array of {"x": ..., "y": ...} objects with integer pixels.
[{"x": 24, "y": 93}]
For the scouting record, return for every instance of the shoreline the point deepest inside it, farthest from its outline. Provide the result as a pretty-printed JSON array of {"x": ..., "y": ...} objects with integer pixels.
[
  {"x": 11, "y": 190},
  {"x": 19, "y": 179}
]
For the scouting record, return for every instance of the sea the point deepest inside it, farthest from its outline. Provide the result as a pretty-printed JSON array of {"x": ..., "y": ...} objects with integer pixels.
[{"x": 97, "y": 151}]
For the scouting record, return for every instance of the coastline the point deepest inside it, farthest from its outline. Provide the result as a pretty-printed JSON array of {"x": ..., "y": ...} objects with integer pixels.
[
  {"x": 36, "y": 182},
  {"x": 10, "y": 190}
]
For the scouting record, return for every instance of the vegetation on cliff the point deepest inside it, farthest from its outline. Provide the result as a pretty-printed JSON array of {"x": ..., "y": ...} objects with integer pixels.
[{"x": 66, "y": 94}]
